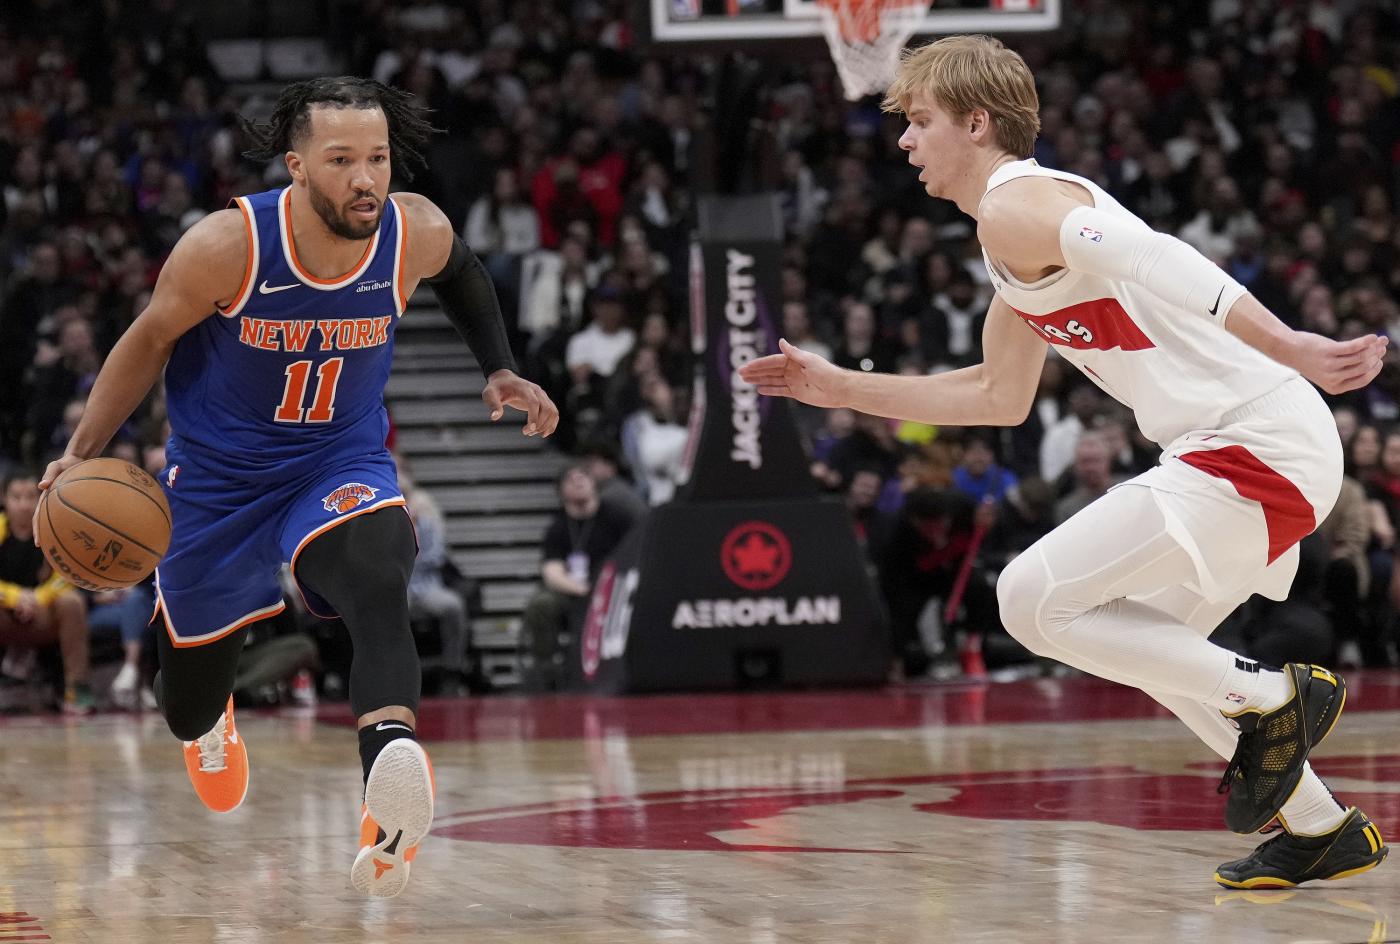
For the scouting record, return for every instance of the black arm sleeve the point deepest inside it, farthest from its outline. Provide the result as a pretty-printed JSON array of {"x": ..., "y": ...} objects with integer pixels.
[{"x": 469, "y": 300}]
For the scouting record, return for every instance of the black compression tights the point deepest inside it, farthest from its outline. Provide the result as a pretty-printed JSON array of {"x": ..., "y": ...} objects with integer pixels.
[
  {"x": 194, "y": 683},
  {"x": 361, "y": 568}
]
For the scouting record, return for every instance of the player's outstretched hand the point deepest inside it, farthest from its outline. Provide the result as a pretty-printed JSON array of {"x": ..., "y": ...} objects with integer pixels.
[
  {"x": 56, "y": 468},
  {"x": 505, "y": 388},
  {"x": 1339, "y": 366},
  {"x": 798, "y": 374}
]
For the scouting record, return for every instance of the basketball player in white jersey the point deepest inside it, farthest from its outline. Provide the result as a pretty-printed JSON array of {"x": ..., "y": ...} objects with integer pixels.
[{"x": 1129, "y": 588}]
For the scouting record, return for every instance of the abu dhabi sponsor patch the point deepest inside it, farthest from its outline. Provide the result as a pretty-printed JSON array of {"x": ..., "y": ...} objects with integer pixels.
[{"x": 348, "y": 497}]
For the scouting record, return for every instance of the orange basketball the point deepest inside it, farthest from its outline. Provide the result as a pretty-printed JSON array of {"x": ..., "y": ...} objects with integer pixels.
[{"x": 104, "y": 524}]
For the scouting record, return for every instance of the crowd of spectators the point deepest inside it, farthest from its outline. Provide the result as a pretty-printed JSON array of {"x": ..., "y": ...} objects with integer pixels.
[{"x": 1265, "y": 134}]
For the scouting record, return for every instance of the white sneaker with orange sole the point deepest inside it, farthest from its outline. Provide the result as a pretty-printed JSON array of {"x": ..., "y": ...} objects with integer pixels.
[{"x": 395, "y": 818}]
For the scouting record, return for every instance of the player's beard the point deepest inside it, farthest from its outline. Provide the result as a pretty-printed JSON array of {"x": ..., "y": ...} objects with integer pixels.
[{"x": 335, "y": 217}]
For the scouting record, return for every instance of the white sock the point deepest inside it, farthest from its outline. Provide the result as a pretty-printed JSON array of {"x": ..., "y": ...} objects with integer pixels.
[
  {"x": 1312, "y": 809},
  {"x": 1247, "y": 684}
]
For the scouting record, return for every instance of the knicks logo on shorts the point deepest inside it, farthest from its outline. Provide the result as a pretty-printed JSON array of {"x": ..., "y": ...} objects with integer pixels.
[{"x": 348, "y": 497}]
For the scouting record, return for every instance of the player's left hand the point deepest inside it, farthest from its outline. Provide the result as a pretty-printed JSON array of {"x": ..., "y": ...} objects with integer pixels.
[
  {"x": 505, "y": 388},
  {"x": 1339, "y": 366},
  {"x": 56, "y": 468}
]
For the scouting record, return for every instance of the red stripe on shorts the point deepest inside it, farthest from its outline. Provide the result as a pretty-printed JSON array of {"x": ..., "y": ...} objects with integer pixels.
[{"x": 1287, "y": 514}]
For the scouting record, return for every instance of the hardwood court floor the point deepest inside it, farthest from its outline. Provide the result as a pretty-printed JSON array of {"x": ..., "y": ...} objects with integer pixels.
[{"x": 1068, "y": 810}]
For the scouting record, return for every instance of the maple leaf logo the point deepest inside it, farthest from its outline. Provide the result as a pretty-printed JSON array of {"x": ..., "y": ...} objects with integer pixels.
[{"x": 756, "y": 555}]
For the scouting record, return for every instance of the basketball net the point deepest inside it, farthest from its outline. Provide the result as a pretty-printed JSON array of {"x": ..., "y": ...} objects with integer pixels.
[{"x": 865, "y": 37}]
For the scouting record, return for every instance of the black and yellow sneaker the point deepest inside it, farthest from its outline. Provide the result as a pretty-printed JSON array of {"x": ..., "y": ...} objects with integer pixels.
[
  {"x": 1288, "y": 860},
  {"x": 1274, "y": 746}
]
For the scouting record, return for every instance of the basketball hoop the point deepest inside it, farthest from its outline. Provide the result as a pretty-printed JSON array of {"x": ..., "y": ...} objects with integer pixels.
[{"x": 865, "y": 37}]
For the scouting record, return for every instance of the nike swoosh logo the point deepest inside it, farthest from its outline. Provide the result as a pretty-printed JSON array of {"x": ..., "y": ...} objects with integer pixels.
[
  {"x": 265, "y": 289},
  {"x": 1217, "y": 300},
  {"x": 385, "y": 725}
]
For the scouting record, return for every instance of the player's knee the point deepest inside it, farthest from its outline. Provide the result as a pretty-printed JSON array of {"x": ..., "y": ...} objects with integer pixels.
[
  {"x": 191, "y": 721},
  {"x": 1020, "y": 590}
]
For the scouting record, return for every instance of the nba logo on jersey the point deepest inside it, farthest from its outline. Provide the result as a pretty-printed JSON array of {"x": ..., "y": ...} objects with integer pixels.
[
  {"x": 170, "y": 476},
  {"x": 348, "y": 497},
  {"x": 1091, "y": 234}
]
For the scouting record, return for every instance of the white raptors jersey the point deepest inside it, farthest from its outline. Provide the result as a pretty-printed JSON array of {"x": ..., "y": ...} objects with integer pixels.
[{"x": 1177, "y": 370}]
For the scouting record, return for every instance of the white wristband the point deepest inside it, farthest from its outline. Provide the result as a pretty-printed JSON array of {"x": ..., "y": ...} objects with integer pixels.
[{"x": 1127, "y": 250}]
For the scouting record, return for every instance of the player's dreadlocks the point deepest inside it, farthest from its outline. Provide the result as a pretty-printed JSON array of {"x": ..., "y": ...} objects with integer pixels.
[{"x": 409, "y": 127}]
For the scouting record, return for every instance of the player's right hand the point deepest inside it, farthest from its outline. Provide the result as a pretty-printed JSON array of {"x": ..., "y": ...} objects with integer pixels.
[
  {"x": 798, "y": 374},
  {"x": 56, "y": 468}
]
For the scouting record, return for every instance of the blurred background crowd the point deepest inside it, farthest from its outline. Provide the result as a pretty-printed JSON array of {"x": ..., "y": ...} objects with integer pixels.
[{"x": 1264, "y": 133}]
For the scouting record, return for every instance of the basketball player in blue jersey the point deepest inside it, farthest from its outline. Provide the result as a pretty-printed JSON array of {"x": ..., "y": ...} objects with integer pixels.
[{"x": 274, "y": 321}]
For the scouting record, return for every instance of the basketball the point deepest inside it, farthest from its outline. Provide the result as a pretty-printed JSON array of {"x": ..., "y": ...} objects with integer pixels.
[{"x": 104, "y": 524}]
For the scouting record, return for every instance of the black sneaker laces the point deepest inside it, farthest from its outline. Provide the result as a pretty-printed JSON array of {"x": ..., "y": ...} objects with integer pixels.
[{"x": 1245, "y": 749}]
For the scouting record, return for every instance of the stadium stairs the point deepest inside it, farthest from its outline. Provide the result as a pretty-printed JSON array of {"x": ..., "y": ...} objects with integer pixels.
[{"x": 495, "y": 487}]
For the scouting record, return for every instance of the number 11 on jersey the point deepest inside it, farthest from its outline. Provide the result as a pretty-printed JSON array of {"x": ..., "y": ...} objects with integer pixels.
[{"x": 294, "y": 393}]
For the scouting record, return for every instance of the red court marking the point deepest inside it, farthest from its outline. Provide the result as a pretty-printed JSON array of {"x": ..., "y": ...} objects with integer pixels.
[
  {"x": 1374, "y": 768},
  {"x": 576, "y": 716},
  {"x": 500, "y": 718},
  {"x": 16, "y": 917},
  {"x": 15, "y": 924},
  {"x": 1287, "y": 513},
  {"x": 686, "y": 820}
]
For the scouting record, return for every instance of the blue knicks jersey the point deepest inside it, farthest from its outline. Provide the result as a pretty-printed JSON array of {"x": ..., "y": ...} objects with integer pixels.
[{"x": 291, "y": 374}]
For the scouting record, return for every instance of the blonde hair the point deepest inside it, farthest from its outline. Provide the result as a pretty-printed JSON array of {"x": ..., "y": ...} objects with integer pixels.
[{"x": 961, "y": 73}]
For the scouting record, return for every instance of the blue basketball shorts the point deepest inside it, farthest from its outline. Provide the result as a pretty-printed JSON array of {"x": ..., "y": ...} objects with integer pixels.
[{"x": 230, "y": 537}]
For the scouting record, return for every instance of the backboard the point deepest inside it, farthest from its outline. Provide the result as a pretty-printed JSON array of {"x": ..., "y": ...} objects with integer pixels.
[{"x": 719, "y": 20}]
